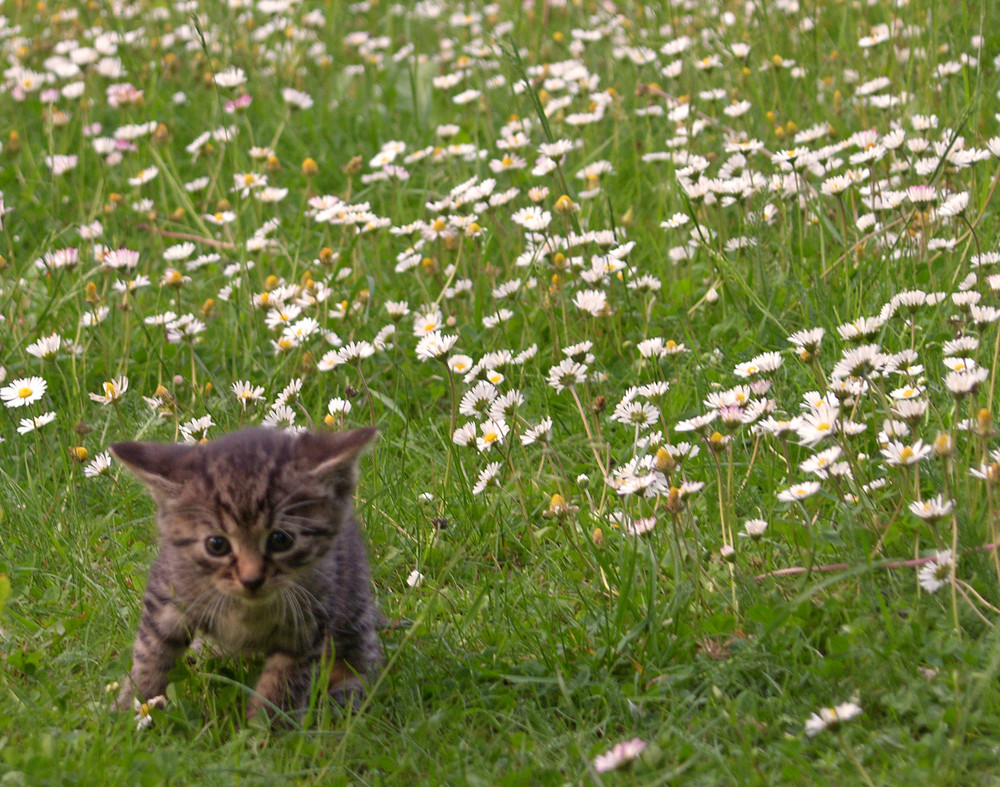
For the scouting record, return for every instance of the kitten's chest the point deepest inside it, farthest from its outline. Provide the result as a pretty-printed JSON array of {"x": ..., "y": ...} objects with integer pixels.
[{"x": 262, "y": 628}]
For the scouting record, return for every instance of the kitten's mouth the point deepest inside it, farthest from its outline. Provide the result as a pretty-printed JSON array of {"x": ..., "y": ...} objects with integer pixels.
[{"x": 254, "y": 597}]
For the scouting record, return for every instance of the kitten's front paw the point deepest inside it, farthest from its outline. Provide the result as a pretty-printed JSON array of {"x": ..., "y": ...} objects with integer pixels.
[
  {"x": 125, "y": 699},
  {"x": 345, "y": 686}
]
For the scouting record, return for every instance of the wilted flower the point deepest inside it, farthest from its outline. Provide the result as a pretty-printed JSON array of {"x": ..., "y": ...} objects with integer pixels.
[{"x": 618, "y": 755}]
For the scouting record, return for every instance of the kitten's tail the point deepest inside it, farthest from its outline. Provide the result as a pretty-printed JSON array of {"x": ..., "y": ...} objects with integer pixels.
[{"x": 382, "y": 623}]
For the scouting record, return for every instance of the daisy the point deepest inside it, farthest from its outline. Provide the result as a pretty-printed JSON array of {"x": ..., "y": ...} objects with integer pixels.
[
  {"x": 566, "y": 374},
  {"x": 143, "y": 710},
  {"x": 818, "y": 424},
  {"x": 23, "y": 391},
  {"x": 932, "y": 510},
  {"x": 533, "y": 219},
  {"x": 338, "y": 406},
  {"x": 831, "y": 717},
  {"x": 31, "y": 424},
  {"x": 100, "y": 465},
  {"x": 963, "y": 382},
  {"x": 247, "y": 392},
  {"x": 424, "y": 324},
  {"x": 799, "y": 491},
  {"x": 397, "y": 309},
  {"x": 113, "y": 390},
  {"x": 434, "y": 345},
  {"x": 493, "y": 433},
  {"x": 698, "y": 423},
  {"x": 538, "y": 434},
  {"x": 460, "y": 364},
  {"x": 595, "y": 302},
  {"x": 46, "y": 347},
  {"x": 638, "y": 414},
  {"x": 896, "y": 454},
  {"x": 506, "y": 406},
  {"x": 819, "y": 464},
  {"x": 233, "y": 76},
  {"x": 808, "y": 340},
  {"x": 478, "y": 400},
  {"x": 487, "y": 477},
  {"x": 754, "y": 528},
  {"x": 988, "y": 471},
  {"x": 935, "y": 575}
]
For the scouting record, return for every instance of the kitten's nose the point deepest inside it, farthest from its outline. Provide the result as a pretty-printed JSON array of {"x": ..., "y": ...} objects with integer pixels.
[{"x": 252, "y": 582}]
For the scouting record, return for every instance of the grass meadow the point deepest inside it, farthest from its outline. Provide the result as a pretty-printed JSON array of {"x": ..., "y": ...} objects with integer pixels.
[{"x": 679, "y": 323}]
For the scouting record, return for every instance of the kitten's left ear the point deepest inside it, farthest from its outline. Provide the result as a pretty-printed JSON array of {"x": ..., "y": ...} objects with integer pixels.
[
  {"x": 158, "y": 465},
  {"x": 333, "y": 458}
]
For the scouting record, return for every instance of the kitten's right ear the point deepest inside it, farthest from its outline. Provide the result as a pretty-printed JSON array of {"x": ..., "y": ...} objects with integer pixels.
[{"x": 158, "y": 465}]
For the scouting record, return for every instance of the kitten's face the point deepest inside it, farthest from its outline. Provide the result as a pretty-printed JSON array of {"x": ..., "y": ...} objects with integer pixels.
[
  {"x": 250, "y": 537},
  {"x": 245, "y": 515}
]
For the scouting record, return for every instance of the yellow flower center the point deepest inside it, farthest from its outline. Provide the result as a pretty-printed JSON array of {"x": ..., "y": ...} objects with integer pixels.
[
  {"x": 490, "y": 437},
  {"x": 906, "y": 453},
  {"x": 24, "y": 393}
]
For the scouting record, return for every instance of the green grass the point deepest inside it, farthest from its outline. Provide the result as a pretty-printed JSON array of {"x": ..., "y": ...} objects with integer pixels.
[{"x": 543, "y": 632}]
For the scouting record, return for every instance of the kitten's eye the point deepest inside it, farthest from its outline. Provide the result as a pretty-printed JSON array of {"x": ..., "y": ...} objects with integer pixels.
[
  {"x": 217, "y": 546},
  {"x": 279, "y": 541}
]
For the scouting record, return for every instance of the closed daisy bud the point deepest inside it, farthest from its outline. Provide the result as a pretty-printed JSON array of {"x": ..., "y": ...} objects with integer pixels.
[
  {"x": 665, "y": 461},
  {"x": 717, "y": 441},
  {"x": 78, "y": 453},
  {"x": 352, "y": 167},
  {"x": 675, "y": 501},
  {"x": 90, "y": 293},
  {"x": 598, "y": 537},
  {"x": 984, "y": 422},
  {"x": 310, "y": 167},
  {"x": 565, "y": 205},
  {"x": 944, "y": 444}
]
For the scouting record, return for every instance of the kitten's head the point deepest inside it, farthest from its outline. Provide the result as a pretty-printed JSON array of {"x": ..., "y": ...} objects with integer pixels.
[{"x": 249, "y": 512}]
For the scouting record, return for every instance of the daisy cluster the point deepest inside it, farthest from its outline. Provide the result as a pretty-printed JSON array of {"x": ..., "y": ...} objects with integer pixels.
[{"x": 215, "y": 270}]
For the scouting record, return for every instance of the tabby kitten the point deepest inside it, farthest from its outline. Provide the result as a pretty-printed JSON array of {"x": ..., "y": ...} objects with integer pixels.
[{"x": 260, "y": 550}]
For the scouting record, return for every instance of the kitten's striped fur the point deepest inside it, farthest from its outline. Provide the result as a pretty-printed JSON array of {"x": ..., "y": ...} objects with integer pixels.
[{"x": 260, "y": 550}]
